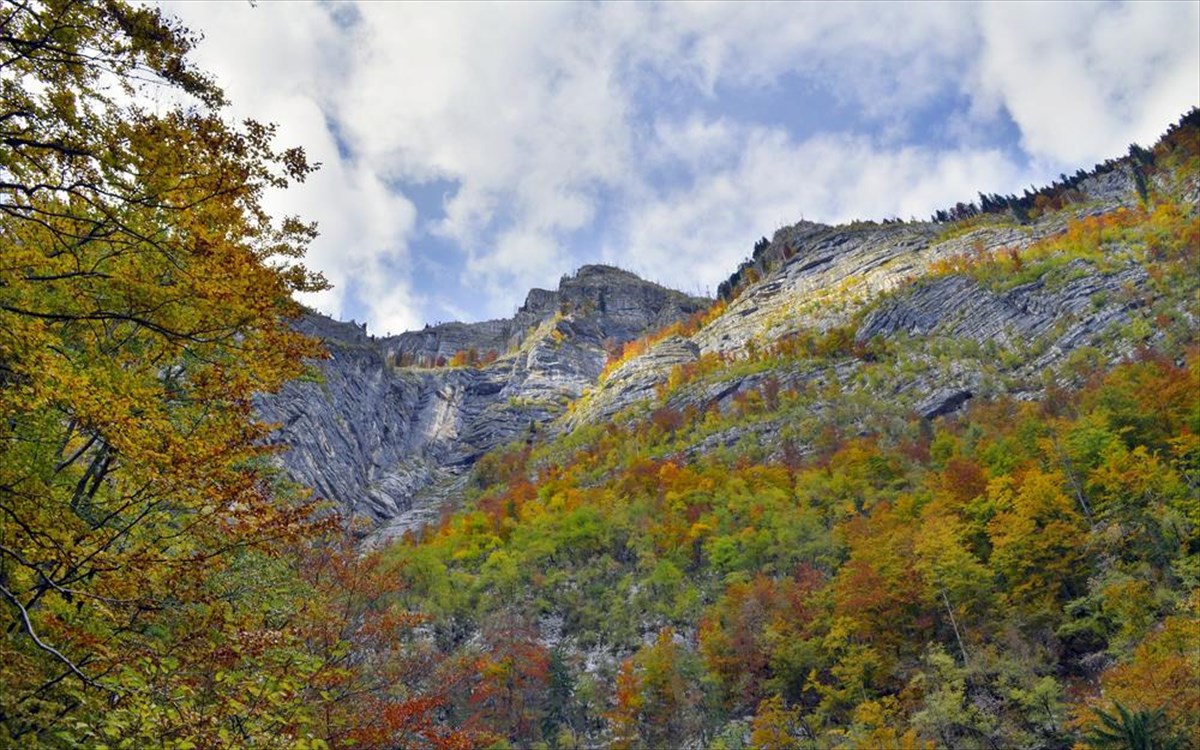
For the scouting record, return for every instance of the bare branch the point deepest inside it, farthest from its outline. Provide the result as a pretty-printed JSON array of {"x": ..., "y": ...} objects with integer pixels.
[{"x": 29, "y": 630}]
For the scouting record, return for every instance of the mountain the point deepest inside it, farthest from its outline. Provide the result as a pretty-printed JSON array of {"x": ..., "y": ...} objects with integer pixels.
[
  {"x": 386, "y": 427},
  {"x": 904, "y": 484}
]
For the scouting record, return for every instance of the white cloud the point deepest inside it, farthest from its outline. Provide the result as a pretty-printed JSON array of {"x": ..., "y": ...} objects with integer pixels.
[
  {"x": 697, "y": 235},
  {"x": 283, "y": 67},
  {"x": 1082, "y": 81},
  {"x": 550, "y": 118},
  {"x": 876, "y": 55},
  {"x": 697, "y": 143},
  {"x": 518, "y": 104}
]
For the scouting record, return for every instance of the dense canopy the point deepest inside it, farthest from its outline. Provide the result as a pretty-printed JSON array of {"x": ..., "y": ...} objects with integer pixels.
[{"x": 161, "y": 586}]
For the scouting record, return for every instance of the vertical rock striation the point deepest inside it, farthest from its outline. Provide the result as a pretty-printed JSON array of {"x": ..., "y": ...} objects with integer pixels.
[{"x": 380, "y": 437}]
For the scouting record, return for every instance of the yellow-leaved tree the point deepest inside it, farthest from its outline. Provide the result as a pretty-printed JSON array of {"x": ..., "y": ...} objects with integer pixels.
[{"x": 149, "y": 570}]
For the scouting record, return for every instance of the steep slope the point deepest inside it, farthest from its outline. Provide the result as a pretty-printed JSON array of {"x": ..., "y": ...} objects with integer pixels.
[
  {"x": 387, "y": 427},
  {"x": 387, "y": 422},
  {"x": 813, "y": 277},
  {"x": 905, "y": 484}
]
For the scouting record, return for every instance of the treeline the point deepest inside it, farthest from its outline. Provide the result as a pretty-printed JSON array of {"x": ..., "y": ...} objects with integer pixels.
[
  {"x": 1035, "y": 201},
  {"x": 747, "y": 272},
  {"x": 1176, "y": 144}
]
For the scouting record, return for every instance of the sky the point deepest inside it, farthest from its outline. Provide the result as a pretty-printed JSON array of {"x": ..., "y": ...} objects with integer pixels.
[{"x": 471, "y": 151}]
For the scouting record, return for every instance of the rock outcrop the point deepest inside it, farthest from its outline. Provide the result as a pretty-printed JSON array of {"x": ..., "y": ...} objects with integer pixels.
[
  {"x": 813, "y": 277},
  {"x": 383, "y": 438}
]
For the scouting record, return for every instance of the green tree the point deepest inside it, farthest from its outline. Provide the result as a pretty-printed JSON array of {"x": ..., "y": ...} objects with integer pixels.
[
  {"x": 1131, "y": 730},
  {"x": 953, "y": 577},
  {"x": 667, "y": 700}
]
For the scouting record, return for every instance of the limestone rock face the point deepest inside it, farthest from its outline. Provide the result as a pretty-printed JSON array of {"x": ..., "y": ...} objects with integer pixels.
[
  {"x": 384, "y": 439},
  {"x": 602, "y": 301},
  {"x": 813, "y": 277},
  {"x": 955, "y": 306},
  {"x": 387, "y": 431}
]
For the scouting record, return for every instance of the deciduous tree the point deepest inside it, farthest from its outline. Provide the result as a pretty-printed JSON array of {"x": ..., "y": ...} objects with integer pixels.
[{"x": 144, "y": 300}]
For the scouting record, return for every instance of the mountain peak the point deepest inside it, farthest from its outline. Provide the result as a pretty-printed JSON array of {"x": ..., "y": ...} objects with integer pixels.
[
  {"x": 397, "y": 419},
  {"x": 593, "y": 270}
]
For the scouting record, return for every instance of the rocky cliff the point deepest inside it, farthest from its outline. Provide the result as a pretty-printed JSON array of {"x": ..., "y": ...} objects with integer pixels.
[
  {"x": 889, "y": 444},
  {"x": 386, "y": 426},
  {"x": 912, "y": 279}
]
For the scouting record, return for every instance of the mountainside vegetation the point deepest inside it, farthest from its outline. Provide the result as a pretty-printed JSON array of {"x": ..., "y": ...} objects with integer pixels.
[
  {"x": 947, "y": 495},
  {"x": 815, "y": 562}
]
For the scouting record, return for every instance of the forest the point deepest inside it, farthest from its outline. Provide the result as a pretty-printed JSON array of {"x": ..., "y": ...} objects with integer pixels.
[{"x": 1020, "y": 573}]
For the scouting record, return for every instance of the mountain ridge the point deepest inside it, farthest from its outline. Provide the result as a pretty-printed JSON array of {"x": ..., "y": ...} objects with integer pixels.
[
  {"x": 912, "y": 486},
  {"x": 397, "y": 421},
  {"x": 903, "y": 484}
]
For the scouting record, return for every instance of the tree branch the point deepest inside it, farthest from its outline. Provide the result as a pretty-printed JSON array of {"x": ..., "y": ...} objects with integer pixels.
[{"x": 28, "y": 626}]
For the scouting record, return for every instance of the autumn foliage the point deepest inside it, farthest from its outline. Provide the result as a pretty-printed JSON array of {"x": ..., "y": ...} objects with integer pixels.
[
  {"x": 1021, "y": 557},
  {"x": 161, "y": 586},
  {"x": 830, "y": 570}
]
